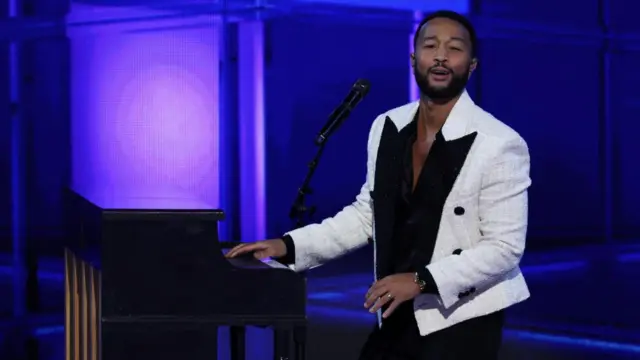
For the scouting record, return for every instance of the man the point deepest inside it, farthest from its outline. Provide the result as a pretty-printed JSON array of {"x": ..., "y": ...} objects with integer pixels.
[{"x": 445, "y": 202}]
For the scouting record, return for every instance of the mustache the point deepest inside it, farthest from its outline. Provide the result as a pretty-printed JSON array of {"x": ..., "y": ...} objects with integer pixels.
[{"x": 440, "y": 66}]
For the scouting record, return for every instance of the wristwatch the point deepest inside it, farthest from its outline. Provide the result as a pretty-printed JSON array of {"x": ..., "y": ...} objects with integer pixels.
[{"x": 421, "y": 284}]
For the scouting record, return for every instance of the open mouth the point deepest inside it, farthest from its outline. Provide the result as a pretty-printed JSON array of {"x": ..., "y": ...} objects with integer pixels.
[
  {"x": 439, "y": 75},
  {"x": 440, "y": 71}
]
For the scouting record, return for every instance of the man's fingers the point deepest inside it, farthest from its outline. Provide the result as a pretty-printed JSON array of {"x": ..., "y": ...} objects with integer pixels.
[
  {"x": 377, "y": 287},
  {"x": 391, "y": 308},
  {"x": 242, "y": 249},
  {"x": 382, "y": 301},
  {"x": 261, "y": 254},
  {"x": 373, "y": 295},
  {"x": 376, "y": 296},
  {"x": 235, "y": 250}
]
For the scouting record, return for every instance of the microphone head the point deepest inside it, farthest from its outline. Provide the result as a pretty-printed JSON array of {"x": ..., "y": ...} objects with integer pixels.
[
  {"x": 362, "y": 86},
  {"x": 357, "y": 93}
]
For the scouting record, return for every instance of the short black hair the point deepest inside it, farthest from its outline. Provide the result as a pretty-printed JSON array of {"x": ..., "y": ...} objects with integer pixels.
[{"x": 451, "y": 15}]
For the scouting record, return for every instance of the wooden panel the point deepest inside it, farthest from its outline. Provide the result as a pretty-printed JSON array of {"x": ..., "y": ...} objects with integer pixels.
[{"x": 82, "y": 309}]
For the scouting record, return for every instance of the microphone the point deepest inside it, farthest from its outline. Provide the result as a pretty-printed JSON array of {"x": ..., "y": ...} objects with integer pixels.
[{"x": 342, "y": 112}]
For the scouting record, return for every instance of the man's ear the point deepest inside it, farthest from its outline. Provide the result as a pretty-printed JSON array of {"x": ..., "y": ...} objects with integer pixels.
[
  {"x": 473, "y": 66},
  {"x": 413, "y": 60}
]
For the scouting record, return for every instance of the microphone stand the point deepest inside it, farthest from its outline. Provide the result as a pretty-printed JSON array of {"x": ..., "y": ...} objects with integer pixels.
[{"x": 299, "y": 210}]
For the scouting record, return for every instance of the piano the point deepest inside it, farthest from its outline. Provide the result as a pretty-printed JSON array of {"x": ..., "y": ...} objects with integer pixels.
[{"x": 154, "y": 284}]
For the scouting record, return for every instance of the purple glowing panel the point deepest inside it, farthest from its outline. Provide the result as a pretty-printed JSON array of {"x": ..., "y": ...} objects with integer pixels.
[
  {"x": 252, "y": 130},
  {"x": 414, "y": 92},
  {"x": 145, "y": 113}
]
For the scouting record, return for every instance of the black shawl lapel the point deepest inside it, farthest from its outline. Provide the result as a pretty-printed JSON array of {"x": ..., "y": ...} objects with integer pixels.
[
  {"x": 442, "y": 167},
  {"x": 386, "y": 186}
]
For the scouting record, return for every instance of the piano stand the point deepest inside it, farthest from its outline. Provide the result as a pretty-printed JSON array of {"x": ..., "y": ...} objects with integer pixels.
[
  {"x": 300, "y": 341},
  {"x": 237, "y": 343},
  {"x": 282, "y": 341}
]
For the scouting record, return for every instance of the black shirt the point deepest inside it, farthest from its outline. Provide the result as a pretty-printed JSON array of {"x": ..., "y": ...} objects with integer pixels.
[{"x": 405, "y": 249}]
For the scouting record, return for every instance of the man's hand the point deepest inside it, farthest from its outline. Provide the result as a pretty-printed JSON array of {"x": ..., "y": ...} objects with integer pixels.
[
  {"x": 260, "y": 249},
  {"x": 396, "y": 289}
]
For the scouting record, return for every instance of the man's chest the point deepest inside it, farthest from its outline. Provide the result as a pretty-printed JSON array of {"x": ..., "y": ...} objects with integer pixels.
[{"x": 419, "y": 154}]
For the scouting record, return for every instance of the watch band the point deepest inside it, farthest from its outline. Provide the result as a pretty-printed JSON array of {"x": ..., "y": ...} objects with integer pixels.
[{"x": 421, "y": 283}]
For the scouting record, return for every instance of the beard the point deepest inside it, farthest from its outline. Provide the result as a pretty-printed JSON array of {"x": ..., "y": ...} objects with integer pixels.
[{"x": 442, "y": 93}]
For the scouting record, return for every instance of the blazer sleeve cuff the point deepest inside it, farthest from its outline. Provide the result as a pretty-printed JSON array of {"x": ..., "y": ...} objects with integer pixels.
[
  {"x": 430, "y": 286},
  {"x": 449, "y": 294},
  {"x": 290, "y": 257}
]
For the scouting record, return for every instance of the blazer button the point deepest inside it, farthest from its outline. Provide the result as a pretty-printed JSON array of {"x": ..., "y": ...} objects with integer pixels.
[{"x": 458, "y": 210}]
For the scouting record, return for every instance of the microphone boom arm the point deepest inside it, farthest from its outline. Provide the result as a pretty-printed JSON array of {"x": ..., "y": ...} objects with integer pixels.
[{"x": 299, "y": 210}]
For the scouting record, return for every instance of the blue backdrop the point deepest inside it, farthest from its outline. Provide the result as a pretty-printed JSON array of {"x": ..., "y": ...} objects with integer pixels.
[
  {"x": 563, "y": 78},
  {"x": 561, "y": 73}
]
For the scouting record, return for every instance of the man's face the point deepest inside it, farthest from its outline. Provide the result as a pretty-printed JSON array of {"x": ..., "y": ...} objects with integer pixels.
[{"x": 442, "y": 62}]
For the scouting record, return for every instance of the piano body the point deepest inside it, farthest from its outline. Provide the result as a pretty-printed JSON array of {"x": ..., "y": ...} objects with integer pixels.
[{"x": 154, "y": 284}]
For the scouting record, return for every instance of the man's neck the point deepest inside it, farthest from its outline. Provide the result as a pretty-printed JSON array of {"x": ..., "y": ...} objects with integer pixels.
[{"x": 433, "y": 115}]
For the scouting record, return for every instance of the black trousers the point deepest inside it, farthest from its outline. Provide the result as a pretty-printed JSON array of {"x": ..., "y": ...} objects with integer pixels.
[{"x": 399, "y": 339}]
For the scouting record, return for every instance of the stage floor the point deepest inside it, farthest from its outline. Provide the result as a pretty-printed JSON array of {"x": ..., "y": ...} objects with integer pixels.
[{"x": 583, "y": 306}]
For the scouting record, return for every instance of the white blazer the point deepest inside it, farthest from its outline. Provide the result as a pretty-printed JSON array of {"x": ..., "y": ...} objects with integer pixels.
[{"x": 491, "y": 187}]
